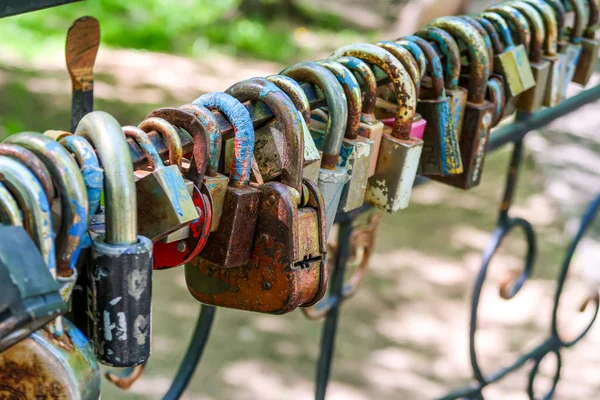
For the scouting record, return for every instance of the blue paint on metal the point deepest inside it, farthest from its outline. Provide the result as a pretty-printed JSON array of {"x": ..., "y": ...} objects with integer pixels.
[
  {"x": 175, "y": 187},
  {"x": 240, "y": 118},
  {"x": 78, "y": 229},
  {"x": 78, "y": 339}
]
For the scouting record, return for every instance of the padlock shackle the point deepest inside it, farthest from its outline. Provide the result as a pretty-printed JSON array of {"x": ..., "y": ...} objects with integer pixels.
[
  {"x": 352, "y": 92},
  {"x": 106, "y": 135},
  {"x": 33, "y": 163},
  {"x": 291, "y": 121},
  {"x": 416, "y": 53},
  {"x": 519, "y": 25},
  {"x": 295, "y": 93},
  {"x": 169, "y": 134},
  {"x": 491, "y": 32},
  {"x": 69, "y": 182},
  {"x": 485, "y": 36},
  {"x": 449, "y": 48},
  {"x": 408, "y": 61},
  {"x": 37, "y": 215},
  {"x": 143, "y": 140},
  {"x": 213, "y": 132},
  {"x": 328, "y": 84},
  {"x": 478, "y": 55},
  {"x": 497, "y": 96},
  {"x": 92, "y": 172},
  {"x": 550, "y": 23},
  {"x": 181, "y": 119},
  {"x": 592, "y": 25},
  {"x": 392, "y": 67},
  {"x": 368, "y": 87},
  {"x": 10, "y": 214},
  {"x": 243, "y": 139},
  {"x": 434, "y": 66},
  {"x": 501, "y": 27},
  {"x": 538, "y": 29},
  {"x": 558, "y": 8},
  {"x": 580, "y": 24}
]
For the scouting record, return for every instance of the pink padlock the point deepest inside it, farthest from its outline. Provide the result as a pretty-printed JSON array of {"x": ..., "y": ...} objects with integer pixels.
[{"x": 418, "y": 127}]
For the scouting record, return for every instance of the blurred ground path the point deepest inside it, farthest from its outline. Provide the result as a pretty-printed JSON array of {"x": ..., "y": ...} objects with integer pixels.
[{"x": 404, "y": 336}]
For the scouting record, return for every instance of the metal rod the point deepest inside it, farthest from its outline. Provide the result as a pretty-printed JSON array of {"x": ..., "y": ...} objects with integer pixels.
[{"x": 331, "y": 321}]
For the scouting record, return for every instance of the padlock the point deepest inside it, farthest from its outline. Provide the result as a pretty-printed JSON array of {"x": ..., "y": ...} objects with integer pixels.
[
  {"x": 497, "y": 96},
  {"x": 287, "y": 267},
  {"x": 73, "y": 205},
  {"x": 552, "y": 95},
  {"x": 56, "y": 360},
  {"x": 356, "y": 152},
  {"x": 120, "y": 265},
  {"x": 532, "y": 100},
  {"x": 31, "y": 296},
  {"x": 522, "y": 30},
  {"x": 10, "y": 214},
  {"x": 332, "y": 178},
  {"x": 186, "y": 243},
  {"x": 478, "y": 112},
  {"x": 412, "y": 67},
  {"x": 369, "y": 127},
  {"x": 416, "y": 53},
  {"x": 589, "y": 47},
  {"x": 390, "y": 187},
  {"x": 573, "y": 47},
  {"x": 441, "y": 153},
  {"x": 457, "y": 95},
  {"x": 513, "y": 64},
  {"x": 215, "y": 182},
  {"x": 230, "y": 246},
  {"x": 164, "y": 203}
]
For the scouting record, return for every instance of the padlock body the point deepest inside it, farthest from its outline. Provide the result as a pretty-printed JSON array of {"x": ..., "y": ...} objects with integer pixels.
[
  {"x": 230, "y": 246},
  {"x": 390, "y": 187},
  {"x": 120, "y": 285},
  {"x": 164, "y": 203},
  {"x": 217, "y": 186},
  {"x": 553, "y": 93},
  {"x": 373, "y": 130},
  {"x": 29, "y": 295},
  {"x": 533, "y": 99},
  {"x": 440, "y": 155},
  {"x": 514, "y": 66},
  {"x": 457, "y": 101},
  {"x": 355, "y": 157},
  {"x": 572, "y": 53},
  {"x": 473, "y": 145},
  {"x": 45, "y": 366},
  {"x": 269, "y": 150},
  {"x": 587, "y": 61},
  {"x": 275, "y": 281},
  {"x": 331, "y": 184},
  {"x": 417, "y": 129}
]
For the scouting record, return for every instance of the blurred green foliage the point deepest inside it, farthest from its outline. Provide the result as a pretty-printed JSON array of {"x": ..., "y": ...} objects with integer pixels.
[{"x": 258, "y": 28}]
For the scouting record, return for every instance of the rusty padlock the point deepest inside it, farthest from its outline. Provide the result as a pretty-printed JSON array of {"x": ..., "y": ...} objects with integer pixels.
[
  {"x": 552, "y": 95},
  {"x": 441, "y": 153},
  {"x": 120, "y": 264},
  {"x": 186, "y": 243},
  {"x": 457, "y": 95},
  {"x": 56, "y": 359},
  {"x": 416, "y": 53},
  {"x": 532, "y": 100},
  {"x": 215, "y": 182},
  {"x": 369, "y": 127},
  {"x": 390, "y": 187},
  {"x": 332, "y": 177},
  {"x": 572, "y": 47},
  {"x": 164, "y": 204},
  {"x": 479, "y": 111},
  {"x": 230, "y": 246},
  {"x": 356, "y": 152},
  {"x": 10, "y": 214},
  {"x": 73, "y": 208},
  {"x": 589, "y": 46},
  {"x": 287, "y": 267}
]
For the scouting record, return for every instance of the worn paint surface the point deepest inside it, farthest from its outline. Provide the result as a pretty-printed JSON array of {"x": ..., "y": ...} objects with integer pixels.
[
  {"x": 531, "y": 101},
  {"x": 416, "y": 53},
  {"x": 331, "y": 185},
  {"x": 356, "y": 160},
  {"x": 213, "y": 131},
  {"x": 368, "y": 83},
  {"x": 50, "y": 367},
  {"x": 449, "y": 48},
  {"x": 243, "y": 128},
  {"x": 407, "y": 61},
  {"x": 10, "y": 214}
]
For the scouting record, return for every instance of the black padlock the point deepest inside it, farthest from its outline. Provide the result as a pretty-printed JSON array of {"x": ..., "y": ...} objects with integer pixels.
[
  {"x": 29, "y": 296},
  {"x": 120, "y": 266}
]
